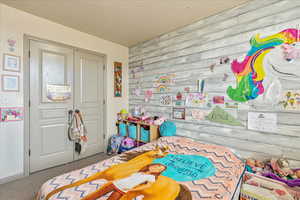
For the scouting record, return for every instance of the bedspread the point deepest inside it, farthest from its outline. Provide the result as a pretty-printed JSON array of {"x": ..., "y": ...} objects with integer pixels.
[{"x": 221, "y": 184}]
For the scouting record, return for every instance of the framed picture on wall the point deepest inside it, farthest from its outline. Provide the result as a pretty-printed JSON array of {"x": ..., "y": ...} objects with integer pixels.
[
  {"x": 117, "y": 79},
  {"x": 11, "y": 63},
  {"x": 10, "y": 83},
  {"x": 179, "y": 113},
  {"x": 10, "y": 114}
]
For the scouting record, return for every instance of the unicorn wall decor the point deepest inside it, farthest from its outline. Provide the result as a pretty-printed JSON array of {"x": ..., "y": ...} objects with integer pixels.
[{"x": 269, "y": 62}]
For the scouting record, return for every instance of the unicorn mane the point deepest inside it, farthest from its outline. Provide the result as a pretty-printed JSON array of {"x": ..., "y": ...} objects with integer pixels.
[{"x": 250, "y": 72}]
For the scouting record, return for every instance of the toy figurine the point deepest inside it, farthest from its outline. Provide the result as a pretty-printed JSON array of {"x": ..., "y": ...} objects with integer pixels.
[{"x": 124, "y": 114}]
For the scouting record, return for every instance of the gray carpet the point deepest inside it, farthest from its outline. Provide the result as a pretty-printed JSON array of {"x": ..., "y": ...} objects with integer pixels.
[{"x": 26, "y": 188}]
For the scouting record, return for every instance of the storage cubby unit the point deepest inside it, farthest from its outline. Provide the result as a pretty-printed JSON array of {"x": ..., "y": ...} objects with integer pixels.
[{"x": 139, "y": 131}]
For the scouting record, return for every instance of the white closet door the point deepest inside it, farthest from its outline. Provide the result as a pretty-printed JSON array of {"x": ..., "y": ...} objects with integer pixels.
[
  {"x": 49, "y": 145},
  {"x": 89, "y": 98}
]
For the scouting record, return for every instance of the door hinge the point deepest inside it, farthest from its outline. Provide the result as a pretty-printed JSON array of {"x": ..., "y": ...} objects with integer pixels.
[
  {"x": 29, "y": 152},
  {"x": 104, "y": 136},
  {"x": 29, "y": 103},
  {"x": 104, "y": 101},
  {"x": 104, "y": 67},
  {"x": 29, "y": 54}
]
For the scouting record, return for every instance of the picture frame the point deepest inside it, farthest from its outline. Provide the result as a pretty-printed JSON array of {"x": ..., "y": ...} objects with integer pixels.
[
  {"x": 11, "y": 63},
  {"x": 10, "y": 83},
  {"x": 11, "y": 114},
  {"x": 118, "y": 79},
  {"x": 179, "y": 113},
  {"x": 166, "y": 100}
]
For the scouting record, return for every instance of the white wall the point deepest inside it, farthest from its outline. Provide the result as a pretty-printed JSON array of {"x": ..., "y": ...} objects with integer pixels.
[{"x": 14, "y": 24}]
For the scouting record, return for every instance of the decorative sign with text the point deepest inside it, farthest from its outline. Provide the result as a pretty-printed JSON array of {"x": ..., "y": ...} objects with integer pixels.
[{"x": 186, "y": 167}]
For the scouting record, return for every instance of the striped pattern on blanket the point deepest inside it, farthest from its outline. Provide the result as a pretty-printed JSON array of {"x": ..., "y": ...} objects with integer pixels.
[{"x": 220, "y": 186}]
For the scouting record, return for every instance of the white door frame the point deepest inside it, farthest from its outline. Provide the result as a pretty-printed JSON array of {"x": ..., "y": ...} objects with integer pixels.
[{"x": 26, "y": 82}]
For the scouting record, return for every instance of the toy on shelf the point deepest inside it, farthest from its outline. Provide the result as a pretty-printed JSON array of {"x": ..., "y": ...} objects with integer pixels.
[
  {"x": 142, "y": 130},
  {"x": 124, "y": 114},
  {"x": 159, "y": 120}
]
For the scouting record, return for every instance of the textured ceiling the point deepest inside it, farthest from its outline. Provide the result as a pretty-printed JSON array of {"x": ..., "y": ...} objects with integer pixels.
[{"x": 126, "y": 22}]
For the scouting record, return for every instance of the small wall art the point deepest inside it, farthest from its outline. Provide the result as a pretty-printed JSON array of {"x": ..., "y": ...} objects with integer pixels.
[
  {"x": 265, "y": 122},
  {"x": 11, "y": 63},
  {"x": 224, "y": 60},
  {"x": 179, "y": 113},
  {"x": 225, "y": 77},
  {"x": 136, "y": 70},
  {"x": 212, "y": 67},
  {"x": 199, "y": 114},
  {"x": 10, "y": 83},
  {"x": 218, "y": 115},
  {"x": 218, "y": 99},
  {"x": 9, "y": 114},
  {"x": 148, "y": 95},
  {"x": 196, "y": 99},
  {"x": 290, "y": 100},
  {"x": 232, "y": 105},
  {"x": 12, "y": 43},
  {"x": 201, "y": 85},
  {"x": 166, "y": 100},
  {"x": 136, "y": 91},
  {"x": 179, "y": 99},
  {"x": 187, "y": 89},
  {"x": 163, "y": 82},
  {"x": 118, "y": 79}
]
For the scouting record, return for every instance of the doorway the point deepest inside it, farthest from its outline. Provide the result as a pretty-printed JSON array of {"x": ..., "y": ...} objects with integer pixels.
[{"x": 80, "y": 74}]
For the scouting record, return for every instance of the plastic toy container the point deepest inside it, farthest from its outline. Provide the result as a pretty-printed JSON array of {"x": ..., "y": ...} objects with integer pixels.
[
  {"x": 145, "y": 135},
  {"x": 132, "y": 131},
  {"x": 122, "y": 129}
]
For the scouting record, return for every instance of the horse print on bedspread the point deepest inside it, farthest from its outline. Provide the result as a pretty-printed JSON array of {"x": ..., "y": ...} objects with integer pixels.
[{"x": 171, "y": 168}]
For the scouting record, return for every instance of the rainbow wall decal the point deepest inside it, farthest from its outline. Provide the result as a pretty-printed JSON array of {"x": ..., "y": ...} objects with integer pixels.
[{"x": 250, "y": 73}]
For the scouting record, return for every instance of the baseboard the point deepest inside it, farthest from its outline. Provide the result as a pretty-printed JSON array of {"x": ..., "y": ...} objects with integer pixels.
[{"x": 11, "y": 178}]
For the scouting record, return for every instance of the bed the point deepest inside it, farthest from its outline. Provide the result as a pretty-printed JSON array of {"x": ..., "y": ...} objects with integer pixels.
[{"x": 223, "y": 182}]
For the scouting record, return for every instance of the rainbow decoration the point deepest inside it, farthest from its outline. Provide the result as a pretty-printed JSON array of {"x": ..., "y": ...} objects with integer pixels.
[
  {"x": 250, "y": 72},
  {"x": 163, "y": 82},
  {"x": 162, "y": 88}
]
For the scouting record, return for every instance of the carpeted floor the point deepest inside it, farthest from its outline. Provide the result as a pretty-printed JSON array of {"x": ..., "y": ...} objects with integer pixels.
[{"x": 25, "y": 189}]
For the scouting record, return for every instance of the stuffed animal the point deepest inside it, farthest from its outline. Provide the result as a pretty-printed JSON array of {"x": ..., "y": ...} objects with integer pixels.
[
  {"x": 159, "y": 120},
  {"x": 297, "y": 173},
  {"x": 127, "y": 144},
  {"x": 114, "y": 144},
  {"x": 254, "y": 166},
  {"x": 282, "y": 169}
]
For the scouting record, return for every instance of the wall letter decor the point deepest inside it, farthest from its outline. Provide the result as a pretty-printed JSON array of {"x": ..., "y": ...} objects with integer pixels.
[{"x": 118, "y": 79}]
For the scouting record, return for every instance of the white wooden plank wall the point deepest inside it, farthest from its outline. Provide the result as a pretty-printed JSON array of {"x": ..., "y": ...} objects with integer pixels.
[{"x": 188, "y": 52}]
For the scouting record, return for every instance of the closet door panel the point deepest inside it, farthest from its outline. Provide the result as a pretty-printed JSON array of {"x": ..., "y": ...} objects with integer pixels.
[{"x": 89, "y": 98}]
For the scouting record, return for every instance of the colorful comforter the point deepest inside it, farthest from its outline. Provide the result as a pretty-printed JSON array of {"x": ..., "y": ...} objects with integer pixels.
[{"x": 206, "y": 171}]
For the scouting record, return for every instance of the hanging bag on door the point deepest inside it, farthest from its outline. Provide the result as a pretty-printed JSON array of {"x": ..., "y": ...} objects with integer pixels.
[{"x": 77, "y": 131}]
